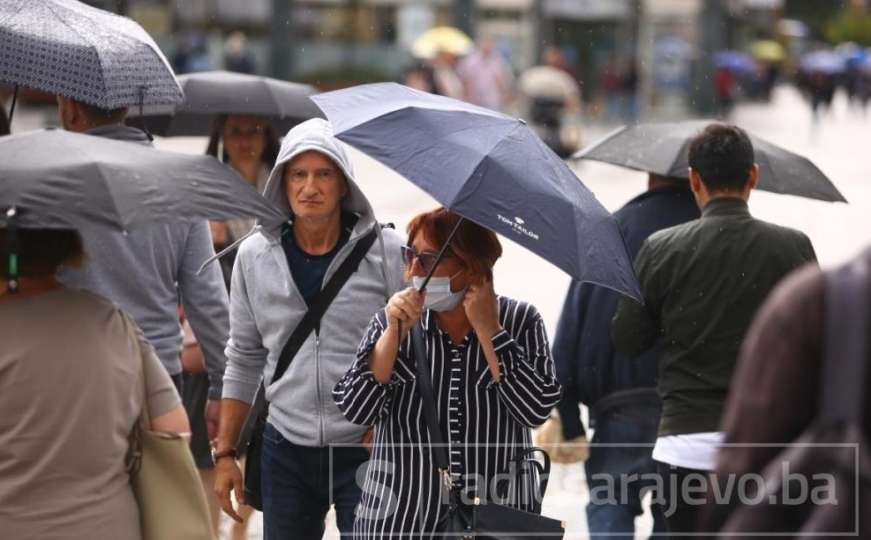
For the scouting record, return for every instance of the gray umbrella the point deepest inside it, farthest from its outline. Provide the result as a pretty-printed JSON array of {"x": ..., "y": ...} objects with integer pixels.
[
  {"x": 59, "y": 179},
  {"x": 211, "y": 93},
  {"x": 68, "y": 48},
  {"x": 663, "y": 149}
]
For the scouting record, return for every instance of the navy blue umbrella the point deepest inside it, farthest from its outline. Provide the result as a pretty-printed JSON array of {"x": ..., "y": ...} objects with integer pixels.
[{"x": 489, "y": 168}]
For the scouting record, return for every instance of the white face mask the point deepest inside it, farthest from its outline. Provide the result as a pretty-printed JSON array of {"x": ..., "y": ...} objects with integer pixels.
[{"x": 439, "y": 296}]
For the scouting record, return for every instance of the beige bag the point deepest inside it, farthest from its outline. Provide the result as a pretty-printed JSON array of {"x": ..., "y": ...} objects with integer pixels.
[{"x": 172, "y": 504}]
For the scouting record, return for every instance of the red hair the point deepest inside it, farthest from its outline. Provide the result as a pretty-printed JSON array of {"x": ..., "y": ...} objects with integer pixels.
[{"x": 477, "y": 248}]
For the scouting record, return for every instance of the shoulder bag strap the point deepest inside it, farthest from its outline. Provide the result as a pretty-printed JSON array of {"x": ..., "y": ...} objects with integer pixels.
[{"x": 427, "y": 395}]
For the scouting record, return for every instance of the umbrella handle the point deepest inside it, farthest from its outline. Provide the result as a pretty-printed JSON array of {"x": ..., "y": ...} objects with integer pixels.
[
  {"x": 12, "y": 241},
  {"x": 12, "y": 107},
  {"x": 142, "y": 113}
]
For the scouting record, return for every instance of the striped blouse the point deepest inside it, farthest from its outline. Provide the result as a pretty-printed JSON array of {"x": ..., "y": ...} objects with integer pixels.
[{"x": 483, "y": 423}]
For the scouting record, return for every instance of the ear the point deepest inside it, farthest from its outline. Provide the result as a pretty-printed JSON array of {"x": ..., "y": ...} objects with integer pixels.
[
  {"x": 695, "y": 181},
  {"x": 753, "y": 180}
]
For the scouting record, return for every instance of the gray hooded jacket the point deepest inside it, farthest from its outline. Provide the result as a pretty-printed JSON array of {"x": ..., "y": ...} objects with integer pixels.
[{"x": 266, "y": 306}]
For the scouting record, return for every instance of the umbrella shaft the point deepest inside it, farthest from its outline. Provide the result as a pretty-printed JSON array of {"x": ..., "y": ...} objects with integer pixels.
[{"x": 441, "y": 254}]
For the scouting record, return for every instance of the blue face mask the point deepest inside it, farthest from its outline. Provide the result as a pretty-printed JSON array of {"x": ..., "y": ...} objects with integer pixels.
[{"x": 439, "y": 296}]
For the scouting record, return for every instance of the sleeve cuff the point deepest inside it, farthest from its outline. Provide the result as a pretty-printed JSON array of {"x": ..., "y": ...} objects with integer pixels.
[
  {"x": 216, "y": 390},
  {"x": 238, "y": 390}
]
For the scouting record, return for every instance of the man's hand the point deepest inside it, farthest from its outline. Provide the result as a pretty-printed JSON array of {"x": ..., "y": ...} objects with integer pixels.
[
  {"x": 482, "y": 310},
  {"x": 228, "y": 478},
  {"x": 213, "y": 417}
]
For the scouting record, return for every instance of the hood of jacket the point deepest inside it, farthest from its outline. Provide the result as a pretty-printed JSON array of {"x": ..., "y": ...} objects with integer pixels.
[{"x": 317, "y": 135}]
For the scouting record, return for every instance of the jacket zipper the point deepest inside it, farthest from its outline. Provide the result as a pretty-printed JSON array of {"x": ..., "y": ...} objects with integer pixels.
[{"x": 318, "y": 383}]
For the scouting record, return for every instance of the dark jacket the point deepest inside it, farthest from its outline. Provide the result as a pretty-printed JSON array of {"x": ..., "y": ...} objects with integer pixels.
[
  {"x": 587, "y": 365},
  {"x": 702, "y": 283}
]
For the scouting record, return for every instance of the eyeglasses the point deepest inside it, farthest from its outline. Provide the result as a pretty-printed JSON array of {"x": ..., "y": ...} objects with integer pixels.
[
  {"x": 237, "y": 131},
  {"x": 427, "y": 259}
]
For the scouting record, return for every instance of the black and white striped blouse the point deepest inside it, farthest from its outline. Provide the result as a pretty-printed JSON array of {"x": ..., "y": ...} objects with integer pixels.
[{"x": 484, "y": 422}]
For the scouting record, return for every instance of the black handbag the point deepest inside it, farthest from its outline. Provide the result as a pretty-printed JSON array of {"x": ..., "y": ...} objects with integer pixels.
[
  {"x": 479, "y": 519},
  {"x": 251, "y": 435}
]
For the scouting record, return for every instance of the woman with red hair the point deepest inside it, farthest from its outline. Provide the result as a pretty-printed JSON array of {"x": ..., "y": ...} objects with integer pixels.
[{"x": 492, "y": 376}]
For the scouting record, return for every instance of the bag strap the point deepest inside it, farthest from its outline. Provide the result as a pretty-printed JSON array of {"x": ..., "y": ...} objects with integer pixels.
[
  {"x": 322, "y": 301},
  {"x": 427, "y": 395},
  {"x": 845, "y": 343}
]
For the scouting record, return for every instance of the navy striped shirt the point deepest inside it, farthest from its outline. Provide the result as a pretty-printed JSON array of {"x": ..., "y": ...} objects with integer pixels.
[{"x": 484, "y": 423}]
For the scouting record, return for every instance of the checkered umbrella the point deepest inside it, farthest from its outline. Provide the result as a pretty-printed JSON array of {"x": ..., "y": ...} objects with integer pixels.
[{"x": 68, "y": 48}]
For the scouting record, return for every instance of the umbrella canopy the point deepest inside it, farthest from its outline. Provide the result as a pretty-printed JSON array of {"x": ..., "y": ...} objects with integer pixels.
[
  {"x": 69, "y": 48},
  {"x": 664, "y": 149},
  {"x": 825, "y": 62},
  {"x": 59, "y": 179},
  {"x": 768, "y": 51},
  {"x": 489, "y": 168},
  {"x": 441, "y": 38},
  {"x": 211, "y": 93},
  {"x": 735, "y": 61}
]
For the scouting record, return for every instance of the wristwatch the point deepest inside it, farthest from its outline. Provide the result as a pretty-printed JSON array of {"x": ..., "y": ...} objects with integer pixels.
[{"x": 216, "y": 454}]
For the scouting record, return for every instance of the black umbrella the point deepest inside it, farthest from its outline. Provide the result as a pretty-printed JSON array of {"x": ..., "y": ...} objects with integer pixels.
[
  {"x": 488, "y": 168},
  {"x": 663, "y": 149},
  {"x": 212, "y": 93},
  {"x": 59, "y": 179}
]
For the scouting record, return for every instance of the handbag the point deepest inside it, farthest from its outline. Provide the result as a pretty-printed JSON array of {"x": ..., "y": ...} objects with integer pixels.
[
  {"x": 479, "y": 519},
  {"x": 166, "y": 482},
  {"x": 251, "y": 435}
]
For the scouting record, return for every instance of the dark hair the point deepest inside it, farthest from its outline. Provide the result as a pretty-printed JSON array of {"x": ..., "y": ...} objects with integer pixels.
[
  {"x": 103, "y": 116},
  {"x": 4, "y": 122},
  {"x": 723, "y": 156},
  {"x": 476, "y": 247},
  {"x": 41, "y": 251},
  {"x": 270, "y": 151}
]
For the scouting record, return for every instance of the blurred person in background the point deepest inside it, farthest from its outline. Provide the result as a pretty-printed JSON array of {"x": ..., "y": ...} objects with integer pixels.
[
  {"x": 248, "y": 144},
  {"x": 237, "y": 54},
  {"x": 487, "y": 77},
  {"x": 73, "y": 367}
]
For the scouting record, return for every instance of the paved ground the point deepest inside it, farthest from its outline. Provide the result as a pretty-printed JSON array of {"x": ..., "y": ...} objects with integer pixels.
[{"x": 837, "y": 144}]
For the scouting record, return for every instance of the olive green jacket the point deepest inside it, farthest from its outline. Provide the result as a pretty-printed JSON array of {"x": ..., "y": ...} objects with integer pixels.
[{"x": 703, "y": 282}]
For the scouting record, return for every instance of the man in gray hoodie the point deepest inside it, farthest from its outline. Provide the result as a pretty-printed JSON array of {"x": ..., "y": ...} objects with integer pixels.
[
  {"x": 147, "y": 270},
  {"x": 276, "y": 276}
]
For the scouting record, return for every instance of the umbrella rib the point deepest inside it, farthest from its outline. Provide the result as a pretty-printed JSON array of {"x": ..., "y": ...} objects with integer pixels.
[
  {"x": 15, "y": 14},
  {"x": 51, "y": 7}
]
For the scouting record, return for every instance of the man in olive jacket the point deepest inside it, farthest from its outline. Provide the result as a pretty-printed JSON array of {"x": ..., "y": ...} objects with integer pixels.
[{"x": 703, "y": 282}]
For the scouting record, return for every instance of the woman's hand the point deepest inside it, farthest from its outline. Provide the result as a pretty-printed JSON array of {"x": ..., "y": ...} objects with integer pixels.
[
  {"x": 404, "y": 309},
  {"x": 482, "y": 310}
]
